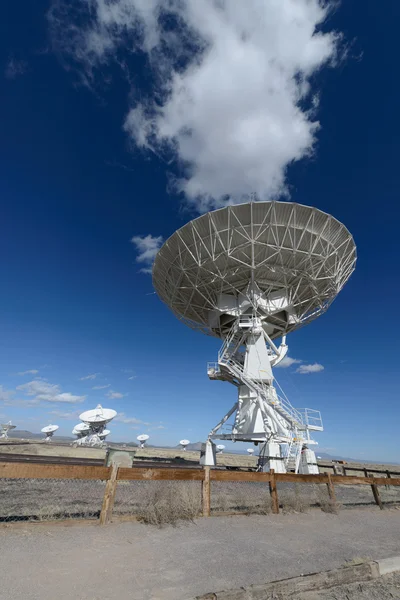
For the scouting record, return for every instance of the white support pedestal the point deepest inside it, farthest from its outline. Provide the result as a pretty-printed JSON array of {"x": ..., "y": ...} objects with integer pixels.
[
  {"x": 308, "y": 463},
  {"x": 271, "y": 458},
  {"x": 208, "y": 454}
]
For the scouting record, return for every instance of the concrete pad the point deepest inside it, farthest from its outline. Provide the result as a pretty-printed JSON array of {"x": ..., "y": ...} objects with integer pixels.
[{"x": 389, "y": 565}]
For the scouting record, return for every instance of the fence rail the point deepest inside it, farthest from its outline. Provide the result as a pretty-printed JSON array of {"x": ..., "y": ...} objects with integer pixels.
[{"x": 114, "y": 476}]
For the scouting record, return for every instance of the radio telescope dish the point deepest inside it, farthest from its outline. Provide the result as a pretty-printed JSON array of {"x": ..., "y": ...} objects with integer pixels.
[
  {"x": 250, "y": 450},
  {"x": 81, "y": 430},
  {"x": 95, "y": 420},
  {"x": 49, "y": 431},
  {"x": 104, "y": 434},
  {"x": 5, "y": 428},
  {"x": 249, "y": 274},
  {"x": 287, "y": 260},
  {"x": 142, "y": 439},
  {"x": 184, "y": 443},
  {"x": 220, "y": 448},
  {"x": 98, "y": 415}
]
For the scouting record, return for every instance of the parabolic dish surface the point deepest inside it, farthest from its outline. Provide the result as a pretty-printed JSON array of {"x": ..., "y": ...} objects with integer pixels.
[
  {"x": 98, "y": 415},
  {"x": 287, "y": 260},
  {"x": 49, "y": 428}
]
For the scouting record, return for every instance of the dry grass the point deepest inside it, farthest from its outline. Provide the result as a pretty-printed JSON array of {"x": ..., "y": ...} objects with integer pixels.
[
  {"x": 326, "y": 504},
  {"x": 163, "y": 504},
  {"x": 357, "y": 560},
  {"x": 49, "y": 499},
  {"x": 293, "y": 501}
]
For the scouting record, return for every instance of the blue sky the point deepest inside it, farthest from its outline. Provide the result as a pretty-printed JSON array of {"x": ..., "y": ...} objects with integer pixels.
[{"x": 77, "y": 184}]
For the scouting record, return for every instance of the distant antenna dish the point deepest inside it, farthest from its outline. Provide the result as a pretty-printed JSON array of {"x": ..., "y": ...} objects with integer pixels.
[
  {"x": 142, "y": 438},
  {"x": 5, "y": 428},
  {"x": 81, "y": 430},
  {"x": 220, "y": 448},
  {"x": 82, "y": 427},
  {"x": 250, "y": 450},
  {"x": 98, "y": 415},
  {"x": 249, "y": 274},
  {"x": 97, "y": 420},
  {"x": 184, "y": 443},
  {"x": 104, "y": 434},
  {"x": 49, "y": 431}
]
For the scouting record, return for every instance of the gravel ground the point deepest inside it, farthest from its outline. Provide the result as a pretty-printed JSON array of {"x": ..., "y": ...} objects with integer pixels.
[{"x": 131, "y": 561}]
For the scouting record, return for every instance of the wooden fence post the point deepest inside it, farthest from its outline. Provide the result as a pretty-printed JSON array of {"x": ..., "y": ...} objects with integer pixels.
[
  {"x": 377, "y": 496},
  {"x": 206, "y": 492},
  {"x": 388, "y": 476},
  {"x": 274, "y": 492},
  {"x": 331, "y": 488},
  {"x": 109, "y": 496}
]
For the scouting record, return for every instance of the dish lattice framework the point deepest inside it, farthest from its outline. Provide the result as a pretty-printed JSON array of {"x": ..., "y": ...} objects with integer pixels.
[{"x": 294, "y": 257}]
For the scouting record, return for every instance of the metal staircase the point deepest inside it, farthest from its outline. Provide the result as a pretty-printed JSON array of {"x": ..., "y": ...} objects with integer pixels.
[
  {"x": 292, "y": 459},
  {"x": 230, "y": 367}
]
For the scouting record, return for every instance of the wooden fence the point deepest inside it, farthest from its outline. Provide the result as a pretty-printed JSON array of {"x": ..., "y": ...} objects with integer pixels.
[{"x": 206, "y": 475}]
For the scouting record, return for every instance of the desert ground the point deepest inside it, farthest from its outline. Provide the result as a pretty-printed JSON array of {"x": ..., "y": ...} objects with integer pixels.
[{"x": 132, "y": 561}]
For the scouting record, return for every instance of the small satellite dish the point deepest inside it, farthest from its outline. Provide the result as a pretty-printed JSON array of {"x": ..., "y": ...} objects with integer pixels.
[
  {"x": 184, "y": 443},
  {"x": 220, "y": 448},
  {"x": 49, "y": 431},
  {"x": 319, "y": 457},
  {"x": 5, "y": 428},
  {"x": 250, "y": 451},
  {"x": 142, "y": 438}
]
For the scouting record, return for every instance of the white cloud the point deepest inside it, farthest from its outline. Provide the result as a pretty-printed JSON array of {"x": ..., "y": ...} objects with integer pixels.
[
  {"x": 114, "y": 395},
  {"x": 147, "y": 247},
  {"x": 233, "y": 102},
  {"x": 65, "y": 415},
  {"x": 101, "y": 387},
  {"x": 30, "y": 372},
  {"x": 89, "y": 377},
  {"x": 122, "y": 418},
  {"x": 6, "y": 395},
  {"x": 132, "y": 377},
  {"x": 156, "y": 427},
  {"x": 43, "y": 391},
  {"x": 288, "y": 362},
  {"x": 15, "y": 68},
  {"x": 314, "y": 368}
]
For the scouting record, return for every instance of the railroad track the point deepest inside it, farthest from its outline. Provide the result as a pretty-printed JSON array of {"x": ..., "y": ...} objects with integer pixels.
[
  {"x": 96, "y": 462},
  {"x": 51, "y": 460}
]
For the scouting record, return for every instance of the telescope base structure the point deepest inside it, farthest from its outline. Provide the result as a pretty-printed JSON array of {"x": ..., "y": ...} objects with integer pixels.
[
  {"x": 208, "y": 454},
  {"x": 92, "y": 440},
  {"x": 260, "y": 415},
  {"x": 270, "y": 458},
  {"x": 308, "y": 463}
]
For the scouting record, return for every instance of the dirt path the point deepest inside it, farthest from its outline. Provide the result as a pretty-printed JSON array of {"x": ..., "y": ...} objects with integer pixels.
[{"x": 130, "y": 561}]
